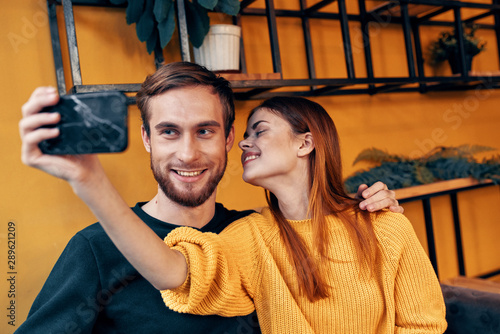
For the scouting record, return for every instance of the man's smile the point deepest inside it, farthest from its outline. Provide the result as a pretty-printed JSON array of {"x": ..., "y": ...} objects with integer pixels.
[{"x": 188, "y": 173}]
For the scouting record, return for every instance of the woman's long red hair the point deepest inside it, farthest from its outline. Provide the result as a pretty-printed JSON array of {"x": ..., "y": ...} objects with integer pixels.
[{"x": 327, "y": 196}]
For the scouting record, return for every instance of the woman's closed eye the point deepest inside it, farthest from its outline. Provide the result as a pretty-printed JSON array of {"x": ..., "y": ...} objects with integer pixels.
[{"x": 258, "y": 133}]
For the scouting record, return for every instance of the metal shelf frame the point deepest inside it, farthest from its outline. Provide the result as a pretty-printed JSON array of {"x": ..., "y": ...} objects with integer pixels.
[
  {"x": 429, "y": 225},
  {"x": 415, "y": 81}
]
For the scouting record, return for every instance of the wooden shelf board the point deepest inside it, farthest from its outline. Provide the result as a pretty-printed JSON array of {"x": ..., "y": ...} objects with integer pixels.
[
  {"x": 413, "y": 9},
  {"x": 250, "y": 76},
  {"x": 484, "y": 73},
  {"x": 436, "y": 187}
]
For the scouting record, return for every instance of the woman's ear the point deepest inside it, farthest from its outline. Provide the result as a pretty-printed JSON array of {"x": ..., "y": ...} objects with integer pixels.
[{"x": 307, "y": 144}]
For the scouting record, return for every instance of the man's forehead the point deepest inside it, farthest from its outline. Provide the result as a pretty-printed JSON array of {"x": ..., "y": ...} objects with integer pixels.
[{"x": 186, "y": 104}]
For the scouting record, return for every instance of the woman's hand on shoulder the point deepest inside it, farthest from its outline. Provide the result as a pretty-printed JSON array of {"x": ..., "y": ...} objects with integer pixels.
[{"x": 378, "y": 197}]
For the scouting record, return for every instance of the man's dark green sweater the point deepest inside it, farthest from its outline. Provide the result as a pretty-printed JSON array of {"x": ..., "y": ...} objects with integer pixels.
[{"x": 94, "y": 289}]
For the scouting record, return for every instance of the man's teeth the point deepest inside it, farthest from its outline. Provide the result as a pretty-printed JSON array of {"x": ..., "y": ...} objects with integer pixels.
[
  {"x": 181, "y": 173},
  {"x": 251, "y": 157}
]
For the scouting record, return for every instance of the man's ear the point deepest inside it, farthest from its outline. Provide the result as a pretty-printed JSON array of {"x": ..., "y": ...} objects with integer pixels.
[
  {"x": 145, "y": 139},
  {"x": 306, "y": 144},
  {"x": 230, "y": 139}
]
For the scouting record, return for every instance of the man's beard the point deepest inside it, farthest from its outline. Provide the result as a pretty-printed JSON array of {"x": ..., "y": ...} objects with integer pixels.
[{"x": 186, "y": 197}]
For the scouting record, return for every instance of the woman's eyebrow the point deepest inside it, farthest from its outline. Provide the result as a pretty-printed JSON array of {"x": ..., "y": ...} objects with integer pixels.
[{"x": 254, "y": 126}]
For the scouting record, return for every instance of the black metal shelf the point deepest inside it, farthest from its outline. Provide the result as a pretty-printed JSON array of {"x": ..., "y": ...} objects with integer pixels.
[
  {"x": 409, "y": 14},
  {"x": 405, "y": 196}
]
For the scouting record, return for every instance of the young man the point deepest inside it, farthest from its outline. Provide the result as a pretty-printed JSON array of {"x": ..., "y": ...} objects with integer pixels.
[{"x": 188, "y": 116}]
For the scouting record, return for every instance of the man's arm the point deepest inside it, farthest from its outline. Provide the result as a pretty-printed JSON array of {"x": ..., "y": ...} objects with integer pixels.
[
  {"x": 67, "y": 302},
  {"x": 162, "y": 267},
  {"x": 378, "y": 197}
]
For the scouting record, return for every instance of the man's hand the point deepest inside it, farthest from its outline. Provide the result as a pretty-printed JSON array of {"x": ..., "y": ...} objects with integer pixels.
[
  {"x": 137, "y": 242},
  {"x": 75, "y": 168},
  {"x": 378, "y": 197}
]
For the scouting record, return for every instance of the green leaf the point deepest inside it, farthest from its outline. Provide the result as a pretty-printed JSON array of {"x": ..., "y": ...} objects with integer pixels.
[
  {"x": 198, "y": 23},
  {"x": 152, "y": 41},
  {"x": 376, "y": 155},
  {"x": 473, "y": 149},
  {"x": 161, "y": 9},
  {"x": 117, "y": 2},
  {"x": 231, "y": 7},
  {"x": 166, "y": 27},
  {"x": 146, "y": 23},
  {"x": 424, "y": 175},
  {"x": 134, "y": 10},
  {"x": 208, "y": 4},
  {"x": 459, "y": 151},
  {"x": 441, "y": 163}
]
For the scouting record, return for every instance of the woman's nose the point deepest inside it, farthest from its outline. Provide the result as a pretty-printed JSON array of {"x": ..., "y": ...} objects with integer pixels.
[{"x": 245, "y": 144}]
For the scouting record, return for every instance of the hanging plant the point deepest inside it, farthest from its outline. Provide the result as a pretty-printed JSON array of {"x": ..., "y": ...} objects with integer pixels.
[
  {"x": 441, "y": 163},
  {"x": 446, "y": 48},
  {"x": 155, "y": 19}
]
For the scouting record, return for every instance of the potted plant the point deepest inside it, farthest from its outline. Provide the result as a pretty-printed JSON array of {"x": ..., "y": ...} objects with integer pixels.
[
  {"x": 446, "y": 48},
  {"x": 220, "y": 50},
  {"x": 441, "y": 163},
  {"x": 155, "y": 19}
]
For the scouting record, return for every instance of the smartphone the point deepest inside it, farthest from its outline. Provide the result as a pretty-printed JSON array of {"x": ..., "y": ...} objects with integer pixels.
[{"x": 90, "y": 123}]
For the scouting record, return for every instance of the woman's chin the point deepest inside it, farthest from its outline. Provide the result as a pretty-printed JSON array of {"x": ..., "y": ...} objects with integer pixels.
[{"x": 250, "y": 180}]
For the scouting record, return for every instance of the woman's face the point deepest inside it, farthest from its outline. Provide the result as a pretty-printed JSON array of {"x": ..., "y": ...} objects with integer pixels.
[{"x": 269, "y": 149}]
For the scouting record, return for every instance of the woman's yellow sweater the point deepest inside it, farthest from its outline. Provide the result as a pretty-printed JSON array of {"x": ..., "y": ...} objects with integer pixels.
[{"x": 246, "y": 267}]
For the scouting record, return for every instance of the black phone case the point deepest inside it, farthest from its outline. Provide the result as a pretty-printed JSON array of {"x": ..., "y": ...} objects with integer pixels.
[{"x": 90, "y": 123}]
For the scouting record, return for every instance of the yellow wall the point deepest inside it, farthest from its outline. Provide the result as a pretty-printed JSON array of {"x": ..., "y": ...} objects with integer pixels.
[{"x": 46, "y": 213}]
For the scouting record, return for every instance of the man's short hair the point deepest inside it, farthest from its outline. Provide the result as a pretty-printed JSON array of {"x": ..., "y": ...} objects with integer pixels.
[{"x": 185, "y": 74}]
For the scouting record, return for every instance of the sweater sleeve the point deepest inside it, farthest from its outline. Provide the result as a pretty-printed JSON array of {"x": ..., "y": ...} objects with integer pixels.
[
  {"x": 216, "y": 283},
  {"x": 60, "y": 306},
  {"x": 419, "y": 302}
]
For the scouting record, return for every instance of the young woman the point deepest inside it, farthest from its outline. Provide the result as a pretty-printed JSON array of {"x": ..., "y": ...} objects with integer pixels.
[
  {"x": 314, "y": 262},
  {"x": 311, "y": 263}
]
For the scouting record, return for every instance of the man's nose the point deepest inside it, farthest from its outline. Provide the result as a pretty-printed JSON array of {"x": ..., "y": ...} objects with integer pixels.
[{"x": 188, "y": 150}]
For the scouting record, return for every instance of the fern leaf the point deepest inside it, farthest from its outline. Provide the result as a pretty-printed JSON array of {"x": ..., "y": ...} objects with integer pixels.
[
  {"x": 423, "y": 175},
  {"x": 376, "y": 155},
  {"x": 474, "y": 149},
  {"x": 441, "y": 163}
]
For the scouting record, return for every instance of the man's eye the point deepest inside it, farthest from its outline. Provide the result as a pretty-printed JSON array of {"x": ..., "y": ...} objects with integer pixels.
[
  {"x": 169, "y": 132},
  {"x": 205, "y": 132}
]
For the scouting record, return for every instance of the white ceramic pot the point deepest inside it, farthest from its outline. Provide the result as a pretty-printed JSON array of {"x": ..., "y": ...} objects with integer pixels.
[{"x": 220, "y": 50}]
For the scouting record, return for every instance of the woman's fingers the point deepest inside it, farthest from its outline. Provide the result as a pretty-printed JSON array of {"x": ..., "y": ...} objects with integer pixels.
[{"x": 378, "y": 197}]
